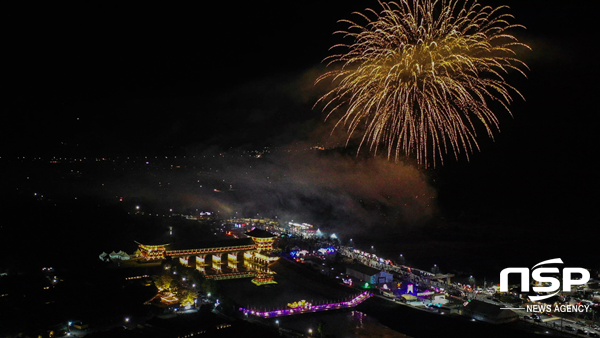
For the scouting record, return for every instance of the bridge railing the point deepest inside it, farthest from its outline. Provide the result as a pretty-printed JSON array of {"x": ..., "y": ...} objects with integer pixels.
[{"x": 209, "y": 250}]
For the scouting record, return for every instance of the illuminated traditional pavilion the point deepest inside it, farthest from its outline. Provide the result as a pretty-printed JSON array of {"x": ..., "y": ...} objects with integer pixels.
[
  {"x": 263, "y": 256},
  {"x": 264, "y": 240},
  {"x": 152, "y": 252}
]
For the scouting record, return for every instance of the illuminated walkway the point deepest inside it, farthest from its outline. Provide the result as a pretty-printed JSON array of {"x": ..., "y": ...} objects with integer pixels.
[{"x": 310, "y": 308}]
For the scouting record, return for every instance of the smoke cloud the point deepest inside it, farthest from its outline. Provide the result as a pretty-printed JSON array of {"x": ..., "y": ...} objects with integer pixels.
[{"x": 310, "y": 177}]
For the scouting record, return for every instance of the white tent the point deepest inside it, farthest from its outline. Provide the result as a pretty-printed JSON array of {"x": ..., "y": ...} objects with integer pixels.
[{"x": 123, "y": 255}]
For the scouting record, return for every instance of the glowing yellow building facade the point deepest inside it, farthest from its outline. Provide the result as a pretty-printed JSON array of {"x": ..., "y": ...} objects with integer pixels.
[
  {"x": 152, "y": 252},
  {"x": 263, "y": 256}
]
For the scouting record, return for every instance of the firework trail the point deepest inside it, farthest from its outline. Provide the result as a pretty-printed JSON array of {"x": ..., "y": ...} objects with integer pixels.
[{"x": 419, "y": 76}]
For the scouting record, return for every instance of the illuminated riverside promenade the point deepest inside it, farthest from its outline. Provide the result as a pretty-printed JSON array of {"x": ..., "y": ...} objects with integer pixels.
[{"x": 310, "y": 308}]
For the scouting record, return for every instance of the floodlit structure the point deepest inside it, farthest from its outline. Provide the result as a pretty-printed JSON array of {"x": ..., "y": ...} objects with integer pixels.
[
  {"x": 263, "y": 256},
  {"x": 226, "y": 259}
]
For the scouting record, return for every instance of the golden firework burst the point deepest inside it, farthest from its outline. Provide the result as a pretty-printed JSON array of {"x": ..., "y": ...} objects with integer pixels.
[{"x": 417, "y": 78}]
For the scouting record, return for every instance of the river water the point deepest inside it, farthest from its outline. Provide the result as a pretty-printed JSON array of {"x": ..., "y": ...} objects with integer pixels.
[{"x": 339, "y": 323}]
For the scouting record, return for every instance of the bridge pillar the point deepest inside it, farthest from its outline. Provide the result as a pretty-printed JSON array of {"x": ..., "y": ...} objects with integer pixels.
[
  {"x": 184, "y": 260},
  {"x": 232, "y": 260},
  {"x": 216, "y": 262},
  {"x": 201, "y": 264}
]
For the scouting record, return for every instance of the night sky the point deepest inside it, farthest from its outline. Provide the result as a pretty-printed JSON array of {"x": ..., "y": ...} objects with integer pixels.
[
  {"x": 102, "y": 80},
  {"x": 164, "y": 80}
]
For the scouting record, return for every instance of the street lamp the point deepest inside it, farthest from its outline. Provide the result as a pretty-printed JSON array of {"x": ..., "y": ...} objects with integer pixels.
[{"x": 310, "y": 332}]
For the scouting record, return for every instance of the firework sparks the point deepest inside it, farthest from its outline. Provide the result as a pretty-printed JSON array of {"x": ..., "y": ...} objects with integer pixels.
[{"x": 419, "y": 76}]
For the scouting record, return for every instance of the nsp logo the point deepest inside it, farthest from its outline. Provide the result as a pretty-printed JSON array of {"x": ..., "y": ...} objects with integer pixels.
[{"x": 567, "y": 281}]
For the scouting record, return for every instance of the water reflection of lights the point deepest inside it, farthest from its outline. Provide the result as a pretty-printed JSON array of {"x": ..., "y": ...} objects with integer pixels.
[{"x": 358, "y": 318}]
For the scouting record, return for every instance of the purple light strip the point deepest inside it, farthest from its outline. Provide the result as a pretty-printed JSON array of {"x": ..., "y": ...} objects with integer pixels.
[{"x": 313, "y": 308}]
